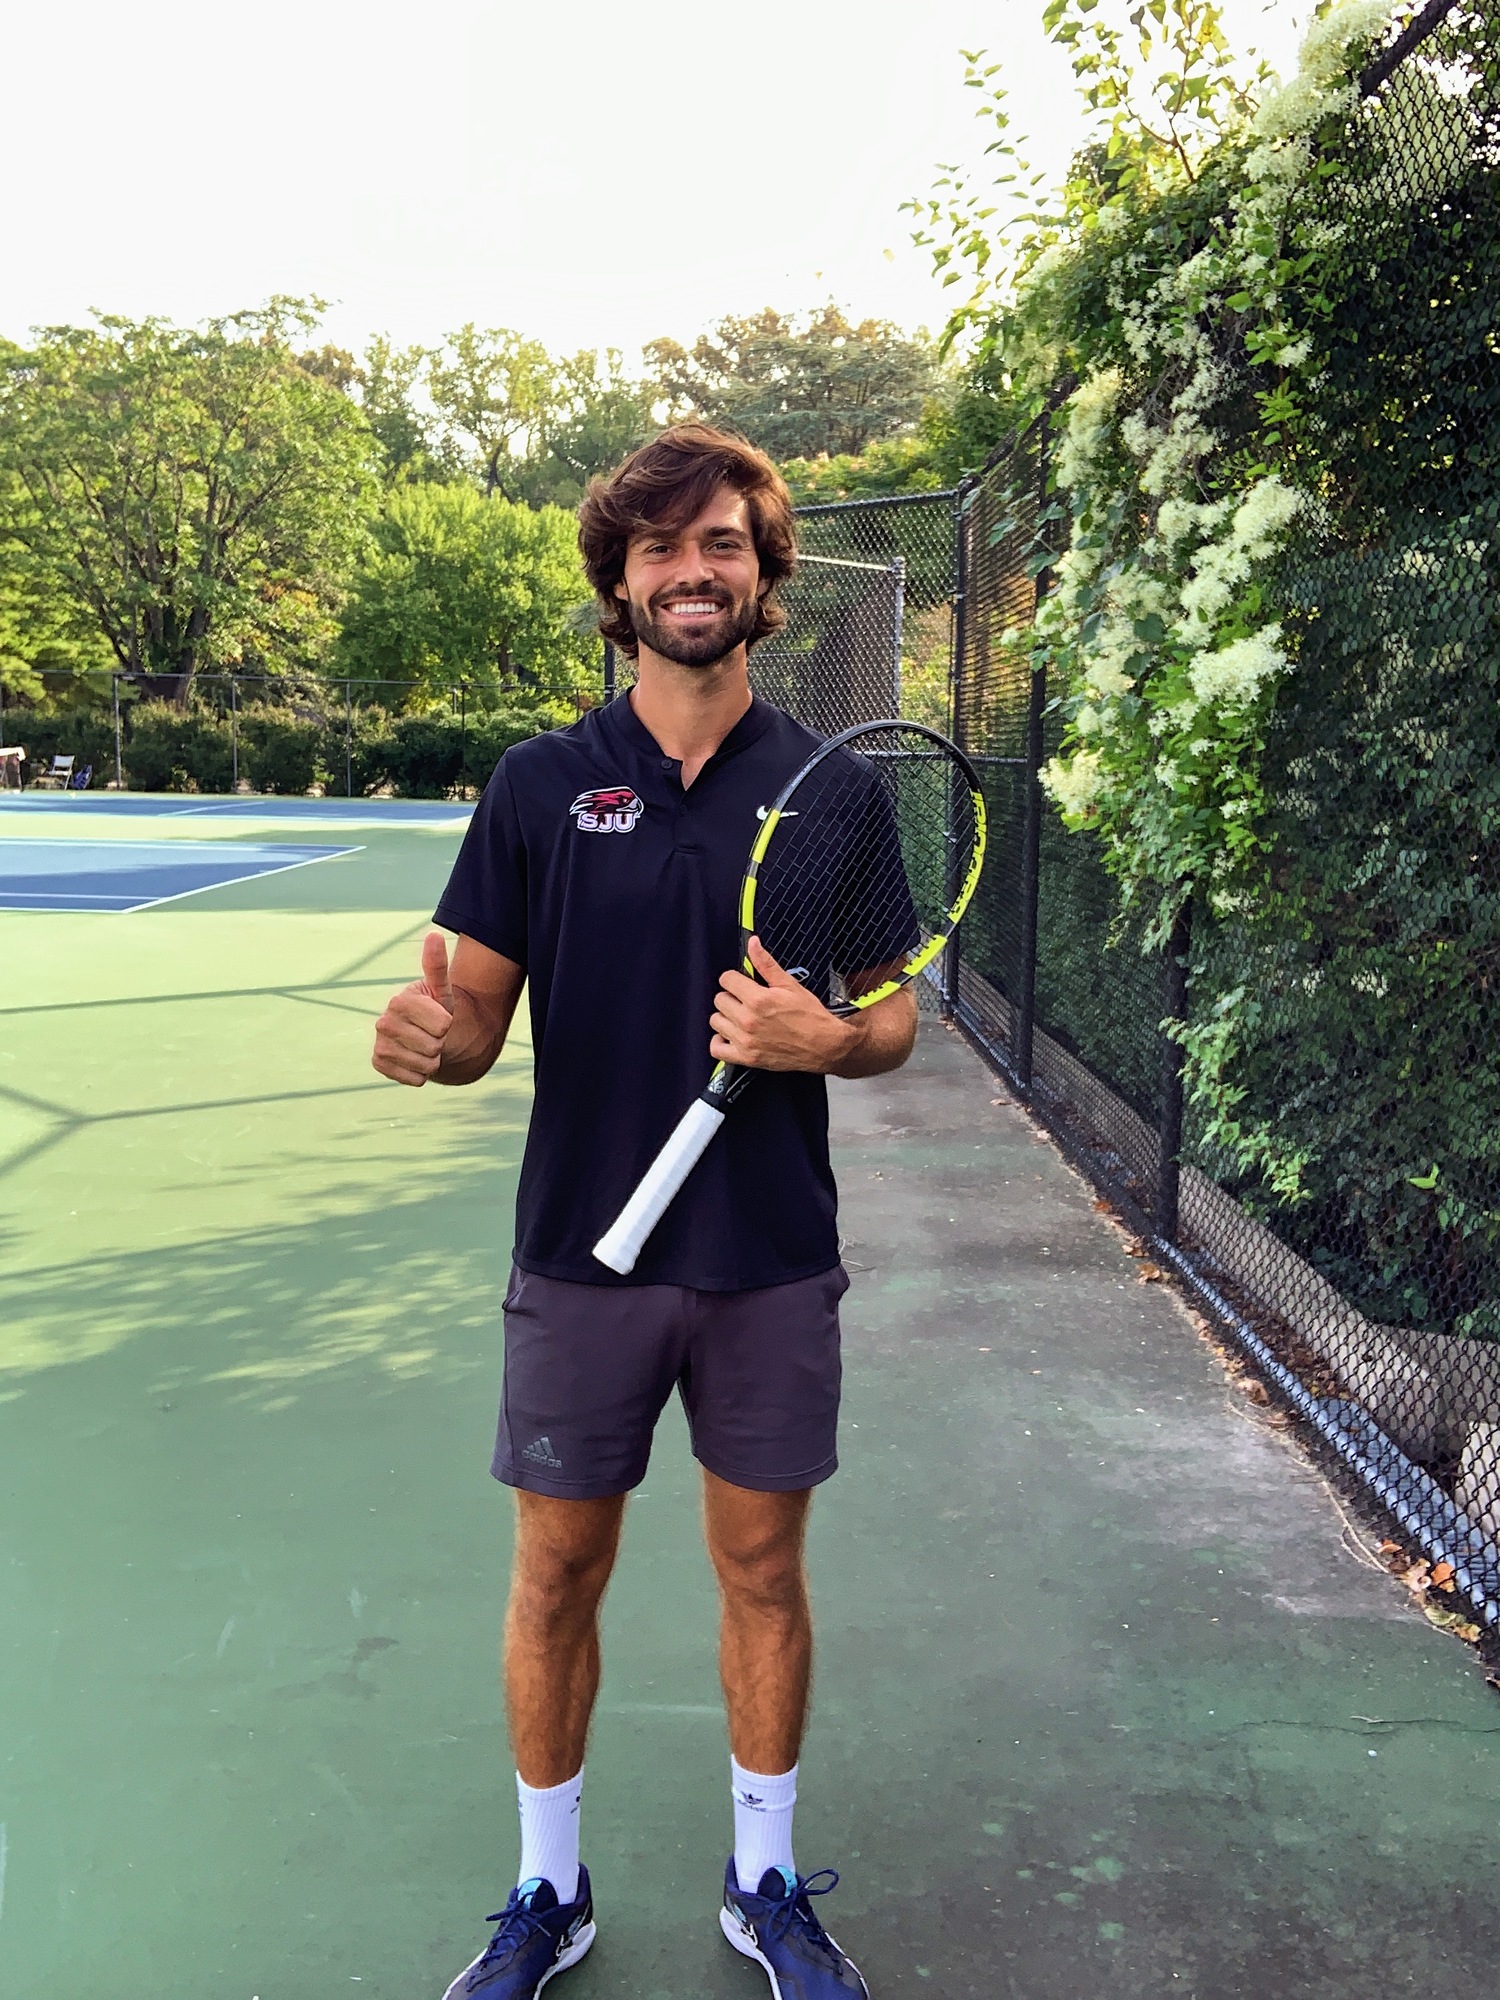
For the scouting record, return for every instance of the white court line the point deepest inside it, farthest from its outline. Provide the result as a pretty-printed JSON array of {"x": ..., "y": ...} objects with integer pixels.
[
  {"x": 124, "y": 909},
  {"x": 284, "y": 868}
]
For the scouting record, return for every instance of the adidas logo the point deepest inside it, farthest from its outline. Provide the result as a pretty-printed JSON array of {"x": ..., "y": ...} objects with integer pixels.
[{"x": 541, "y": 1453}]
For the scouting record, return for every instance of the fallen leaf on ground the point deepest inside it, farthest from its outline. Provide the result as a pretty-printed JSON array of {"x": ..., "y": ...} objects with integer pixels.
[
  {"x": 1101, "y": 1208},
  {"x": 1450, "y": 1621},
  {"x": 1417, "y": 1577},
  {"x": 1149, "y": 1274},
  {"x": 1135, "y": 1247},
  {"x": 1256, "y": 1391},
  {"x": 1442, "y": 1575}
]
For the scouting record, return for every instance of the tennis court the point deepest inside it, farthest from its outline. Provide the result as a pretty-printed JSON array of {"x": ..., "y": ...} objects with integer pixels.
[
  {"x": 176, "y": 805},
  {"x": 1106, "y": 1704},
  {"x": 123, "y": 875}
]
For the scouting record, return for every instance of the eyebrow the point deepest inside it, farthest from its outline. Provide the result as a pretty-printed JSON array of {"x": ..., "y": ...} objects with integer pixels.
[{"x": 670, "y": 534}]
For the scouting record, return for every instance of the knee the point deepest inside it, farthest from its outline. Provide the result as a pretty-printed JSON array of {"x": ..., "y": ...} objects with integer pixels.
[
  {"x": 764, "y": 1573},
  {"x": 560, "y": 1576}
]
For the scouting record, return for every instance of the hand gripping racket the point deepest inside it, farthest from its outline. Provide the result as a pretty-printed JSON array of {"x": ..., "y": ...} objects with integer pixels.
[{"x": 858, "y": 874}]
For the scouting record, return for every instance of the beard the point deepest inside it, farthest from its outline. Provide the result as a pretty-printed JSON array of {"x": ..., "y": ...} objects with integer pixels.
[{"x": 702, "y": 645}]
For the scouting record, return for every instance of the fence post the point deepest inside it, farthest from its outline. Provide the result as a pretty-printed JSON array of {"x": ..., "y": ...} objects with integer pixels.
[
  {"x": 463, "y": 738},
  {"x": 1031, "y": 878},
  {"x": 609, "y": 671},
  {"x": 960, "y": 562},
  {"x": 898, "y": 628},
  {"x": 234, "y": 733},
  {"x": 348, "y": 743},
  {"x": 1174, "y": 1008},
  {"x": 1031, "y": 827},
  {"x": 114, "y": 700}
]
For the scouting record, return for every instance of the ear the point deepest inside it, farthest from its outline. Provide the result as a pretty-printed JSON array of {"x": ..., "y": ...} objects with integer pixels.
[{"x": 621, "y": 592}]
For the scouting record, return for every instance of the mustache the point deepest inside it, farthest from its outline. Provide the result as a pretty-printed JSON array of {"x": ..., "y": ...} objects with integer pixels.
[{"x": 712, "y": 595}]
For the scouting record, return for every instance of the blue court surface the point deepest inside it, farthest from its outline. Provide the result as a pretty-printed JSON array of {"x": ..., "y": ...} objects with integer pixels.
[
  {"x": 135, "y": 874},
  {"x": 179, "y": 805}
]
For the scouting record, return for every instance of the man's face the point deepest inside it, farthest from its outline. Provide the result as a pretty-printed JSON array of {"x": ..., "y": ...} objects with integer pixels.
[{"x": 694, "y": 591}]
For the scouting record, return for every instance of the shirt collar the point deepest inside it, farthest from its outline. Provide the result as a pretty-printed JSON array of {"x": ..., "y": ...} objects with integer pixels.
[{"x": 622, "y": 719}]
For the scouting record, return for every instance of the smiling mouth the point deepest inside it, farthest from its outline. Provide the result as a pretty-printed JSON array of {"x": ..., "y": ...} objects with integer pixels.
[{"x": 694, "y": 607}]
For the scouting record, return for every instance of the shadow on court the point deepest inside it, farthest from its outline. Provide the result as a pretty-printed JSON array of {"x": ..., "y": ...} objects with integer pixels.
[{"x": 1099, "y": 1684}]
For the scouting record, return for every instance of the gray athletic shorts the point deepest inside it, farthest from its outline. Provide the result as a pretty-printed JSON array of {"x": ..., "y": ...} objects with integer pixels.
[{"x": 589, "y": 1368}]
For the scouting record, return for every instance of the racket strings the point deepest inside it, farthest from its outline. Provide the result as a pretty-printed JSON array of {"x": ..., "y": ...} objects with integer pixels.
[{"x": 865, "y": 862}]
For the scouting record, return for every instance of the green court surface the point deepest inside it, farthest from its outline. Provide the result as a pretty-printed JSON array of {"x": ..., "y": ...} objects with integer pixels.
[{"x": 1105, "y": 1704}]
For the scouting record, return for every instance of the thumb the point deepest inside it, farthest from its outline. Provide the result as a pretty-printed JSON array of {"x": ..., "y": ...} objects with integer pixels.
[
  {"x": 435, "y": 969},
  {"x": 767, "y": 967}
]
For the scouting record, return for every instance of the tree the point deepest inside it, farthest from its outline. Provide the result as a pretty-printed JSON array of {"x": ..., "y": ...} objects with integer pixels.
[
  {"x": 335, "y": 365},
  {"x": 597, "y": 416},
  {"x": 799, "y": 389},
  {"x": 493, "y": 391},
  {"x": 388, "y": 382},
  {"x": 456, "y": 588},
  {"x": 195, "y": 495}
]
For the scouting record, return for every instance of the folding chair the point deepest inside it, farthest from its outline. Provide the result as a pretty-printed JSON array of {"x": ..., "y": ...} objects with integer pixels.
[{"x": 58, "y": 773}]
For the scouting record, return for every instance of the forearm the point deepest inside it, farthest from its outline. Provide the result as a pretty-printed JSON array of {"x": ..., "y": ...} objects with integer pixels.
[
  {"x": 474, "y": 1041},
  {"x": 882, "y": 1037}
]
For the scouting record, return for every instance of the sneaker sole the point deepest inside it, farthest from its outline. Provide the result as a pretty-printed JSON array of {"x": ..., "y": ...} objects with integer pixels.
[
  {"x": 578, "y": 1949},
  {"x": 747, "y": 1949}
]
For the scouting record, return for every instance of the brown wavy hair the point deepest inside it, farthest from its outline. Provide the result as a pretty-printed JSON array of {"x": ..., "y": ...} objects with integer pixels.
[{"x": 665, "y": 484}]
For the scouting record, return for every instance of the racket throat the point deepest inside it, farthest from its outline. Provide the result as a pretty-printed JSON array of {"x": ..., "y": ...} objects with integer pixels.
[{"x": 719, "y": 1091}]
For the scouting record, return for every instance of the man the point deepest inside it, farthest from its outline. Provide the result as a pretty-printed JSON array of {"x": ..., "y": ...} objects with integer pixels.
[{"x": 602, "y": 867}]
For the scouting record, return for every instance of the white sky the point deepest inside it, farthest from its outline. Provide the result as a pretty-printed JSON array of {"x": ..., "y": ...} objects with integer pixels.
[{"x": 591, "y": 174}]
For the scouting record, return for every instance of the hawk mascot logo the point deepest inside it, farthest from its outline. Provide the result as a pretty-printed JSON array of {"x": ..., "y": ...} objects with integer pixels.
[{"x": 614, "y": 809}]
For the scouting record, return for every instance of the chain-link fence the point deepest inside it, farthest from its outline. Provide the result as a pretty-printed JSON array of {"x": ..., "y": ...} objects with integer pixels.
[{"x": 1368, "y": 974}]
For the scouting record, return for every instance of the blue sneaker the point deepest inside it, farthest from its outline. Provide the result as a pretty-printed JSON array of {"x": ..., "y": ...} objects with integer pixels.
[
  {"x": 537, "y": 1938},
  {"x": 776, "y": 1927}
]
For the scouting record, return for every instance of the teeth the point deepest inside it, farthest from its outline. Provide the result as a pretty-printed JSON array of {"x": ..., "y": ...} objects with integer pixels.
[{"x": 692, "y": 608}]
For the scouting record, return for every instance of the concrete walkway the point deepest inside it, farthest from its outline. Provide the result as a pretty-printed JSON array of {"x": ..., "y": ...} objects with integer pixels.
[{"x": 1104, "y": 1706}]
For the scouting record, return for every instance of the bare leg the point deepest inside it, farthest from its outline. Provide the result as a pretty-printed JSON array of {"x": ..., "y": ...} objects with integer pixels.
[
  {"x": 565, "y": 1550},
  {"x": 756, "y": 1543}
]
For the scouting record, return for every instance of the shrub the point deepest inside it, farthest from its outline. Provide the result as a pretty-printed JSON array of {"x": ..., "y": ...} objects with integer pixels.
[
  {"x": 432, "y": 756},
  {"x": 281, "y": 750},
  {"x": 174, "y": 749}
]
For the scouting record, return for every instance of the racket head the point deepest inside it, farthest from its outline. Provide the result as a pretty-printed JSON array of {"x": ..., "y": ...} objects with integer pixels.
[{"x": 865, "y": 862}]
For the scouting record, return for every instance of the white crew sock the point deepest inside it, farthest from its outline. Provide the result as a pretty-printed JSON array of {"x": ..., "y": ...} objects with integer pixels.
[
  {"x": 762, "y": 1823},
  {"x": 549, "y": 1834}
]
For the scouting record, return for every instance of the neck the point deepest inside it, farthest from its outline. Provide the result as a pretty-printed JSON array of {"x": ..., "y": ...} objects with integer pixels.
[{"x": 690, "y": 710}]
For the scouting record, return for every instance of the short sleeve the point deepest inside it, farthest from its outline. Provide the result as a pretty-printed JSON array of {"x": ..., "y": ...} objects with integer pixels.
[
  {"x": 486, "y": 893},
  {"x": 876, "y": 921}
]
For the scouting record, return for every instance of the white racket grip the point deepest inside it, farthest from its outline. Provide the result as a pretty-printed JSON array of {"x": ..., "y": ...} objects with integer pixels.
[{"x": 623, "y": 1241}]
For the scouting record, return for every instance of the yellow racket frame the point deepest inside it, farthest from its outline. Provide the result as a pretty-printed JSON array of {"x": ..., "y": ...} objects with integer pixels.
[{"x": 926, "y": 953}]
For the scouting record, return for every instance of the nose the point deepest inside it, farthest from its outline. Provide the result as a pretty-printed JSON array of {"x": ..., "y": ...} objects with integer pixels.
[{"x": 694, "y": 572}]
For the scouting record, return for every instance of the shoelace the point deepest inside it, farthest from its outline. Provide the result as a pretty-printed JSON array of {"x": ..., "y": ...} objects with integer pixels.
[
  {"x": 796, "y": 1913},
  {"x": 518, "y": 1924}
]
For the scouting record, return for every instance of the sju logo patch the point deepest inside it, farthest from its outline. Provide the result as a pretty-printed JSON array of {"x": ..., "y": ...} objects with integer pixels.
[{"x": 614, "y": 809}]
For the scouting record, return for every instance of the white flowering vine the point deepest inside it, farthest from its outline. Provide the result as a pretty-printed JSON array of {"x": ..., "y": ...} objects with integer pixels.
[{"x": 1180, "y": 286}]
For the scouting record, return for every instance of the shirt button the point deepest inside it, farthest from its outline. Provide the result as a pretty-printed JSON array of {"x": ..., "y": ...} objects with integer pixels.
[{"x": 669, "y": 763}]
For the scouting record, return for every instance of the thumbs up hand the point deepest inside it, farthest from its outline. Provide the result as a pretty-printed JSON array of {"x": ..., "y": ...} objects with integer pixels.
[
  {"x": 410, "y": 1034},
  {"x": 435, "y": 976}
]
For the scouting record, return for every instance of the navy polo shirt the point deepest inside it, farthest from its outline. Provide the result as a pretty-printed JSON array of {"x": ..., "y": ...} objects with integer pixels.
[{"x": 588, "y": 863}]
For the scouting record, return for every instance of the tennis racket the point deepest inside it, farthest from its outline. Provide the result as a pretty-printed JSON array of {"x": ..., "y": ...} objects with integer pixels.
[{"x": 859, "y": 872}]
